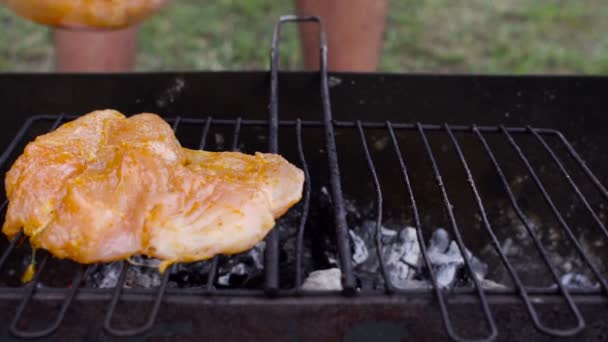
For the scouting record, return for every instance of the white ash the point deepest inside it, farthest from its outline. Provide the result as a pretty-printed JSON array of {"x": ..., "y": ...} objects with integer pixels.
[
  {"x": 360, "y": 252},
  {"x": 323, "y": 280},
  {"x": 240, "y": 269},
  {"x": 141, "y": 272},
  {"x": 403, "y": 259},
  {"x": 576, "y": 280}
]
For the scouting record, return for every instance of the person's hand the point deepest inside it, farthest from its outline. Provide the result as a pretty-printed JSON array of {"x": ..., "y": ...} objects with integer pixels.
[{"x": 85, "y": 14}]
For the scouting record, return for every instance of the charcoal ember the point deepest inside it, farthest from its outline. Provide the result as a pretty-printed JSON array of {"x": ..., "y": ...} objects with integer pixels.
[
  {"x": 489, "y": 284},
  {"x": 449, "y": 264},
  {"x": 104, "y": 276},
  {"x": 360, "y": 252},
  {"x": 193, "y": 274},
  {"x": 403, "y": 259},
  {"x": 577, "y": 280},
  {"x": 244, "y": 269},
  {"x": 288, "y": 226},
  {"x": 362, "y": 244},
  {"x": 142, "y": 272},
  {"x": 401, "y": 256},
  {"x": 323, "y": 280},
  {"x": 142, "y": 276}
]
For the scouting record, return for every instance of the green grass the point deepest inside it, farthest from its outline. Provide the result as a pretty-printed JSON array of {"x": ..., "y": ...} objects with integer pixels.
[{"x": 480, "y": 36}]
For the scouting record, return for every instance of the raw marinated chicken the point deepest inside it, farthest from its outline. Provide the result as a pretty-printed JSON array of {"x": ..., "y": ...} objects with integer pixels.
[
  {"x": 85, "y": 14},
  {"x": 104, "y": 187}
]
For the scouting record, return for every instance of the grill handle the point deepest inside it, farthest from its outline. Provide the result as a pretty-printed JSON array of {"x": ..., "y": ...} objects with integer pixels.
[{"x": 343, "y": 244}]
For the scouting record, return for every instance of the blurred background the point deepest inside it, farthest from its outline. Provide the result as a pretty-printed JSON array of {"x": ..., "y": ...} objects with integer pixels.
[{"x": 443, "y": 36}]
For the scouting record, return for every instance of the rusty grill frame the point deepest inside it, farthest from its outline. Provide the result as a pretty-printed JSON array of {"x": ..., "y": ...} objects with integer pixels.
[{"x": 271, "y": 261}]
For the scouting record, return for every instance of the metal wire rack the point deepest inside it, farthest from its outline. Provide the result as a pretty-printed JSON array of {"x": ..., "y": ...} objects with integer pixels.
[{"x": 272, "y": 286}]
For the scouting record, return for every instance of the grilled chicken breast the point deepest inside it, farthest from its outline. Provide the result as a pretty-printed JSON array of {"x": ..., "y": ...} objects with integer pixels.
[{"x": 104, "y": 187}]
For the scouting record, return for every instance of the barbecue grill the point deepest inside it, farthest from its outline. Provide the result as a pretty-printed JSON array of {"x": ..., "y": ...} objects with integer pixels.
[{"x": 492, "y": 164}]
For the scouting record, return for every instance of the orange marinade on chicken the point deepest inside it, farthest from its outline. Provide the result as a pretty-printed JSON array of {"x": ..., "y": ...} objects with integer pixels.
[{"x": 105, "y": 187}]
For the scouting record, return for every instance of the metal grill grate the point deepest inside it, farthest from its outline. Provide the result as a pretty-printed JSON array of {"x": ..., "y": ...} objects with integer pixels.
[{"x": 272, "y": 287}]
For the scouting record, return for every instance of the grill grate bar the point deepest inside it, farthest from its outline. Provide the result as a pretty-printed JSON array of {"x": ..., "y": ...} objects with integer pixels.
[
  {"x": 438, "y": 293},
  {"x": 577, "y": 245},
  {"x": 582, "y": 164},
  {"x": 580, "y": 324},
  {"x": 9, "y": 150},
  {"x": 160, "y": 293},
  {"x": 495, "y": 242},
  {"x": 340, "y": 124},
  {"x": 448, "y": 206},
  {"x": 205, "y": 132},
  {"x": 346, "y": 266},
  {"x": 569, "y": 178},
  {"x": 271, "y": 251},
  {"x": 305, "y": 208},
  {"x": 388, "y": 286},
  {"x": 14, "y": 328}
]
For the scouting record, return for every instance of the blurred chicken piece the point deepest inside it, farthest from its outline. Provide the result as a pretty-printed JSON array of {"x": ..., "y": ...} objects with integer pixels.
[
  {"x": 85, "y": 14},
  {"x": 104, "y": 187}
]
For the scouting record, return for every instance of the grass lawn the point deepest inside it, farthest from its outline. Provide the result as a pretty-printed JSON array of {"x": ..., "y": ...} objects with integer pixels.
[{"x": 479, "y": 36}]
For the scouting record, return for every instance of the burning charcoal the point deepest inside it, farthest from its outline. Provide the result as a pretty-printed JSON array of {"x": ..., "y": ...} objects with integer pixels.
[
  {"x": 401, "y": 257},
  {"x": 323, "y": 280},
  {"x": 400, "y": 273},
  {"x": 449, "y": 262},
  {"x": 411, "y": 246},
  {"x": 105, "y": 276},
  {"x": 445, "y": 274},
  {"x": 387, "y": 235},
  {"x": 450, "y": 256},
  {"x": 577, "y": 281},
  {"x": 478, "y": 267},
  {"x": 243, "y": 269},
  {"x": 364, "y": 248},
  {"x": 492, "y": 285},
  {"x": 360, "y": 253},
  {"x": 439, "y": 241},
  {"x": 236, "y": 270},
  {"x": 190, "y": 275},
  {"x": 142, "y": 276},
  {"x": 257, "y": 254}
]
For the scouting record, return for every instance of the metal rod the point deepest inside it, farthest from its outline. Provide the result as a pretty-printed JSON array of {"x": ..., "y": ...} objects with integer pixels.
[
  {"x": 343, "y": 241},
  {"x": 580, "y": 325},
  {"x": 582, "y": 164},
  {"x": 341, "y": 124},
  {"x": 305, "y": 207},
  {"x": 19, "y": 136},
  {"x": 388, "y": 285},
  {"x": 495, "y": 242},
  {"x": 56, "y": 122},
  {"x": 570, "y": 180},
  {"x": 577, "y": 245},
  {"x": 466, "y": 256},
  {"x": 427, "y": 262},
  {"x": 14, "y": 328},
  {"x": 153, "y": 314},
  {"x": 205, "y": 132}
]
